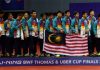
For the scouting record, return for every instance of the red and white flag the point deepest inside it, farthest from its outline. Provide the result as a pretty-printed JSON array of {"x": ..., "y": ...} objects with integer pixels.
[{"x": 74, "y": 45}]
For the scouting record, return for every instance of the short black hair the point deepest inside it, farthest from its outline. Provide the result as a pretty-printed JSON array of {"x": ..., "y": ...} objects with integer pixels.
[
  {"x": 90, "y": 11},
  {"x": 43, "y": 14},
  {"x": 75, "y": 12},
  {"x": 67, "y": 11},
  {"x": 59, "y": 12},
  {"x": 50, "y": 14},
  {"x": 32, "y": 11},
  {"x": 84, "y": 12}
]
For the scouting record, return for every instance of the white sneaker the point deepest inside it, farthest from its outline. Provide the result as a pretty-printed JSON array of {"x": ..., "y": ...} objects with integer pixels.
[{"x": 57, "y": 55}]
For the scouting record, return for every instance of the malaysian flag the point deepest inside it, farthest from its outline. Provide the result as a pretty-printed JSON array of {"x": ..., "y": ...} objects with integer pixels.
[{"x": 70, "y": 45}]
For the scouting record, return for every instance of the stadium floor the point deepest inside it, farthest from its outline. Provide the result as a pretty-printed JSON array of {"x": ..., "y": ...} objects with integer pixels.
[{"x": 52, "y": 68}]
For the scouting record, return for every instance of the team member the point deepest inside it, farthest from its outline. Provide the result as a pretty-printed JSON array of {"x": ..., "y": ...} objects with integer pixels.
[
  {"x": 49, "y": 23},
  {"x": 91, "y": 38},
  {"x": 2, "y": 35},
  {"x": 66, "y": 22},
  {"x": 84, "y": 30},
  {"x": 49, "y": 26},
  {"x": 18, "y": 34},
  {"x": 9, "y": 34},
  {"x": 57, "y": 25},
  {"x": 75, "y": 23},
  {"x": 33, "y": 32},
  {"x": 57, "y": 22},
  {"x": 26, "y": 34},
  {"x": 83, "y": 24},
  {"x": 41, "y": 27},
  {"x": 96, "y": 29}
]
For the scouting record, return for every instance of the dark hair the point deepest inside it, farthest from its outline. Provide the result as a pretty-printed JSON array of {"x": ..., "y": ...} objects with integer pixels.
[
  {"x": 20, "y": 14},
  {"x": 43, "y": 14},
  {"x": 59, "y": 12},
  {"x": 67, "y": 11},
  {"x": 10, "y": 14},
  {"x": 84, "y": 12},
  {"x": 26, "y": 12},
  {"x": 75, "y": 12},
  {"x": 90, "y": 11},
  {"x": 51, "y": 14},
  {"x": 32, "y": 11}
]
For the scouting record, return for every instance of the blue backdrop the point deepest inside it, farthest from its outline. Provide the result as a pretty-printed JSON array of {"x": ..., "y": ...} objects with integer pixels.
[{"x": 85, "y": 7}]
